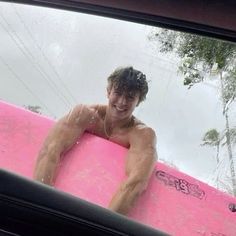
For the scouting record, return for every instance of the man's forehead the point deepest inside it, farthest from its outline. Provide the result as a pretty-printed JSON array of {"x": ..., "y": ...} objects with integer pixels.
[{"x": 132, "y": 93}]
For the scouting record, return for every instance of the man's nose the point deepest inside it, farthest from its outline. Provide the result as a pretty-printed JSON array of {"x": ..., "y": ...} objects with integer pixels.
[{"x": 122, "y": 100}]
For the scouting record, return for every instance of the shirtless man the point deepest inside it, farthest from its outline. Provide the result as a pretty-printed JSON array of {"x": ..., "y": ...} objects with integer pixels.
[{"x": 126, "y": 88}]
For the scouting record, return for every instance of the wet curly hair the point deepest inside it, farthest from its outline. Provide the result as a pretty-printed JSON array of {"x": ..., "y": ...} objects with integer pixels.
[{"x": 128, "y": 80}]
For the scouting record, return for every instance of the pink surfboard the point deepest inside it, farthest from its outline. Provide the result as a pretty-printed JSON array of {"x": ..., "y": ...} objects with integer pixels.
[{"x": 173, "y": 202}]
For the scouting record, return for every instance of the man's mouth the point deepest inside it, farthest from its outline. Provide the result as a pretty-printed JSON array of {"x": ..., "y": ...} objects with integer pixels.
[{"x": 120, "y": 109}]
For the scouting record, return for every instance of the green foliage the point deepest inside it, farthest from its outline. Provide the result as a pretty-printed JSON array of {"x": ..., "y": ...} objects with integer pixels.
[
  {"x": 35, "y": 109},
  {"x": 232, "y": 134},
  {"x": 211, "y": 138},
  {"x": 192, "y": 74},
  {"x": 198, "y": 54},
  {"x": 229, "y": 87},
  {"x": 214, "y": 138}
]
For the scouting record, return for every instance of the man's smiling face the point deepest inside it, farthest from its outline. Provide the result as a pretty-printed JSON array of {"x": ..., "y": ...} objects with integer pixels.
[{"x": 121, "y": 104}]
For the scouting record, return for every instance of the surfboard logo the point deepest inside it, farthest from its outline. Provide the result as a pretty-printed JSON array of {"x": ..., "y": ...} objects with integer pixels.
[
  {"x": 180, "y": 184},
  {"x": 232, "y": 207}
]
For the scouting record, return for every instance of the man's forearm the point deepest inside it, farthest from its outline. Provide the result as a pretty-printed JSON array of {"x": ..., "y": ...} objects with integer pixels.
[
  {"x": 45, "y": 170},
  {"x": 125, "y": 197}
]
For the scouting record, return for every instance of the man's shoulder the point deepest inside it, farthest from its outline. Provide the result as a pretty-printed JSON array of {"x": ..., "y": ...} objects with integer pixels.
[
  {"x": 142, "y": 137},
  {"x": 142, "y": 131},
  {"x": 88, "y": 108}
]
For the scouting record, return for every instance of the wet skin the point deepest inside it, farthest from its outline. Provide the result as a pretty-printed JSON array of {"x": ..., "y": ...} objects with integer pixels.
[{"x": 116, "y": 123}]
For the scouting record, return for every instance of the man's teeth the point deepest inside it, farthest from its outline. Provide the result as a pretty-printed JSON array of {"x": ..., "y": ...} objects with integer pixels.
[{"x": 120, "y": 109}]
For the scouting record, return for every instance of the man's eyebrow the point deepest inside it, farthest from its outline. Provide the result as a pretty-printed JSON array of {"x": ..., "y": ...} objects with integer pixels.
[{"x": 131, "y": 95}]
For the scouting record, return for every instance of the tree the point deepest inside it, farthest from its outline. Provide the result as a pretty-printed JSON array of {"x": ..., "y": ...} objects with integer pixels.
[
  {"x": 35, "y": 109},
  {"x": 212, "y": 138},
  {"x": 201, "y": 57}
]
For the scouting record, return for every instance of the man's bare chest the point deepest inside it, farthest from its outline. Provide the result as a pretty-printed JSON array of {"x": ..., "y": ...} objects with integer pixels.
[{"x": 119, "y": 136}]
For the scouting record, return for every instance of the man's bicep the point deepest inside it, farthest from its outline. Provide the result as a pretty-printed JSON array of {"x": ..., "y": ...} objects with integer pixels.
[
  {"x": 148, "y": 160},
  {"x": 142, "y": 155},
  {"x": 149, "y": 149},
  {"x": 69, "y": 128},
  {"x": 144, "y": 142}
]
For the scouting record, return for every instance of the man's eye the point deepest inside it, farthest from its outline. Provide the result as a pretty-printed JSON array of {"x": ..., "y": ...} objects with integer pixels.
[
  {"x": 130, "y": 97},
  {"x": 118, "y": 93}
]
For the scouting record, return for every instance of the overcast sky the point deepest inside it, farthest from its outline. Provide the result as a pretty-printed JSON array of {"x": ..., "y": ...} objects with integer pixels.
[{"x": 55, "y": 59}]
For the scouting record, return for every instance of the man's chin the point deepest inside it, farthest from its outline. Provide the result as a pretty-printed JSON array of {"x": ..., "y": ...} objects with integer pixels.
[{"x": 118, "y": 116}]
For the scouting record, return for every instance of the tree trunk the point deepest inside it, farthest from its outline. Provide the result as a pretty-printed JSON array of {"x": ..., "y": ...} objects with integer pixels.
[
  {"x": 228, "y": 142},
  {"x": 217, "y": 163},
  {"x": 228, "y": 139}
]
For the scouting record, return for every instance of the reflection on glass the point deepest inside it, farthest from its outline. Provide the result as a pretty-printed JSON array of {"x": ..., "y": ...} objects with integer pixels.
[{"x": 51, "y": 60}]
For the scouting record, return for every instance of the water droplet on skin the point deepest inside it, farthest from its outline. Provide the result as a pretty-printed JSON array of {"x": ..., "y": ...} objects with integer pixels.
[{"x": 92, "y": 120}]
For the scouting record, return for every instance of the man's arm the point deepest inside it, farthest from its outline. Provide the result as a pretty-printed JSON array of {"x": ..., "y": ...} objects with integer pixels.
[
  {"x": 60, "y": 139},
  {"x": 140, "y": 163}
]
